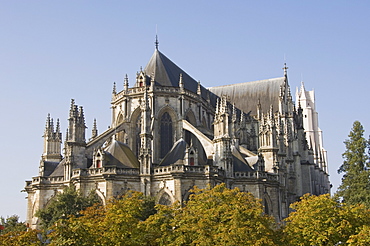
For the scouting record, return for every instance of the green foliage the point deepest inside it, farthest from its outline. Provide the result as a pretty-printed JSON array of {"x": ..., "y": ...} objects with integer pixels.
[
  {"x": 12, "y": 224},
  {"x": 17, "y": 238},
  {"x": 355, "y": 186},
  {"x": 321, "y": 220},
  {"x": 217, "y": 216},
  {"x": 114, "y": 224},
  {"x": 64, "y": 204}
]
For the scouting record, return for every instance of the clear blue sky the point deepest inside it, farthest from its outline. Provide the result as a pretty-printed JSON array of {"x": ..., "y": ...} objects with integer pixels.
[{"x": 53, "y": 51}]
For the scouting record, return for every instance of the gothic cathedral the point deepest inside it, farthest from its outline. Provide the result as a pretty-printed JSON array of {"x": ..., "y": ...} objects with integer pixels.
[{"x": 169, "y": 133}]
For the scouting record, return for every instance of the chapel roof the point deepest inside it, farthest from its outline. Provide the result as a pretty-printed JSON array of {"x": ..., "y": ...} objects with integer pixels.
[
  {"x": 120, "y": 155},
  {"x": 167, "y": 73},
  {"x": 246, "y": 95}
]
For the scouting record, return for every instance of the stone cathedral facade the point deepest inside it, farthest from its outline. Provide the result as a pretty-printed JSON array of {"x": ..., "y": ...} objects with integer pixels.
[{"x": 169, "y": 133}]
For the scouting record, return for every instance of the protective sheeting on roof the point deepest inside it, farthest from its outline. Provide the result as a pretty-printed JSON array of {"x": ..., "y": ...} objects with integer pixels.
[
  {"x": 240, "y": 165},
  {"x": 176, "y": 153},
  {"x": 246, "y": 95},
  {"x": 167, "y": 73},
  {"x": 120, "y": 155}
]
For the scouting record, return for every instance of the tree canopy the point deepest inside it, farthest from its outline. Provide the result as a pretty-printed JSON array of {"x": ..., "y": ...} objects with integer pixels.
[
  {"x": 210, "y": 217},
  {"x": 12, "y": 224},
  {"x": 355, "y": 186},
  {"x": 63, "y": 204},
  {"x": 217, "y": 216},
  {"x": 321, "y": 220}
]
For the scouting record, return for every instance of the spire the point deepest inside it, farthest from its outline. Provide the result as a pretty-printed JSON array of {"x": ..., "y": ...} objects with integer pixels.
[
  {"x": 57, "y": 131},
  {"x": 47, "y": 126},
  {"x": 125, "y": 83},
  {"x": 285, "y": 68},
  {"x": 114, "y": 92},
  {"x": 234, "y": 113},
  {"x": 156, "y": 42},
  {"x": 199, "y": 92},
  {"x": 94, "y": 130},
  {"x": 217, "y": 105},
  {"x": 72, "y": 109}
]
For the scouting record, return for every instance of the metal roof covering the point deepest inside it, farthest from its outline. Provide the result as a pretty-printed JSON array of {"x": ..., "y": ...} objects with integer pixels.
[
  {"x": 246, "y": 95},
  {"x": 49, "y": 167},
  {"x": 59, "y": 170},
  {"x": 167, "y": 73},
  {"x": 176, "y": 153},
  {"x": 120, "y": 155}
]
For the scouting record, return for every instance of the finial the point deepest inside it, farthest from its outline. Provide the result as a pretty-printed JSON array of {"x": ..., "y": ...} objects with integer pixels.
[
  {"x": 181, "y": 83},
  {"x": 72, "y": 109},
  {"x": 156, "y": 42},
  {"x": 199, "y": 91},
  {"x": 285, "y": 68},
  {"x": 94, "y": 130},
  {"x": 114, "y": 92},
  {"x": 125, "y": 84}
]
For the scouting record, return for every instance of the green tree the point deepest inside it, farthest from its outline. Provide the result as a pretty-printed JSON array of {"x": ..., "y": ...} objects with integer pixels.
[
  {"x": 321, "y": 220},
  {"x": 217, "y": 216},
  {"x": 24, "y": 238},
  {"x": 66, "y": 203},
  {"x": 113, "y": 224},
  {"x": 362, "y": 238},
  {"x": 12, "y": 224},
  {"x": 355, "y": 186}
]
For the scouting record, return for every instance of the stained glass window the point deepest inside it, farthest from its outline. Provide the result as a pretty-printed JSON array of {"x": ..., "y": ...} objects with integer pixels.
[{"x": 166, "y": 134}]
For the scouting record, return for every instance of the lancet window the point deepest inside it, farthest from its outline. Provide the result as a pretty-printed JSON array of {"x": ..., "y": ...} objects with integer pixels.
[{"x": 166, "y": 134}]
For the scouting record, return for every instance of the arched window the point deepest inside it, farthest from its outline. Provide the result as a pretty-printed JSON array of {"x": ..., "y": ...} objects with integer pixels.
[{"x": 166, "y": 134}]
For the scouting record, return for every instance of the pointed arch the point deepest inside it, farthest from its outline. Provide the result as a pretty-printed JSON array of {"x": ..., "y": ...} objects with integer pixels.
[
  {"x": 166, "y": 133},
  {"x": 190, "y": 116},
  {"x": 134, "y": 140},
  {"x": 165, "y": 197},
  {"x": 267, "y": 204}
]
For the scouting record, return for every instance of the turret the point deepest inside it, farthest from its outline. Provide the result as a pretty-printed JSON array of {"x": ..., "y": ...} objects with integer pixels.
[
  {"x": 75, "y": 144},
  {"x": 222, "y": 140},
  {"x": 52, "y": 141},
  {"x": 76, "y": 129}
]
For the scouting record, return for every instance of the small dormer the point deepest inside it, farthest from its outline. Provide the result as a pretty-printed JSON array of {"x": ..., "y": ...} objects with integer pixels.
[
  {"x": 141, "y": 79},
  {"x": 98, "y": 158},
  {"x": 191, "y": 156}
]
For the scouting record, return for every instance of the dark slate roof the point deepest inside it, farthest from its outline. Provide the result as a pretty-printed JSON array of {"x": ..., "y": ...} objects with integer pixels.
[
  {"x": 49, "y": 167},
  {"x": 246, "y": 95},
  {"x": 120, "y": 155},
  {"x": 59, "y": 170},
  {"x": 176, "y": 153},
  {"x": 167, "y": 73}
]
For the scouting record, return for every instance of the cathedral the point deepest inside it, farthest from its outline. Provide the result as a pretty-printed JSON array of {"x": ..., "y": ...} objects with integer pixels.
[{"x": 169, "y": 133}]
